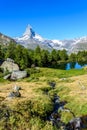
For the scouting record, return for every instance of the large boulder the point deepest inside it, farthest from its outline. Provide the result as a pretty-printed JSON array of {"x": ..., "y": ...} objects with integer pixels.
[
  {"x": 7, "y": 76},
  {"x": 18, "y": 75},
  {"x": 9, "y": 65}
]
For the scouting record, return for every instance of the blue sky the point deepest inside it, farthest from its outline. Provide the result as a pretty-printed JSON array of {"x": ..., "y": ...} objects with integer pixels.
[{"x": 52, "y": 19}]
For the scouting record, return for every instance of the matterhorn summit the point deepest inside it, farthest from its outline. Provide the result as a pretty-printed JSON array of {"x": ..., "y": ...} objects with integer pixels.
[
  {"x": 30, "y": 39},
  {"x": 29, "y": 32}
]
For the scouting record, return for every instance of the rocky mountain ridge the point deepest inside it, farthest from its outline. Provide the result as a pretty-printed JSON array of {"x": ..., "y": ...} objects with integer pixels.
[
  {"x": 30, "y": 39},
  {"x": 4, "y": 40}
]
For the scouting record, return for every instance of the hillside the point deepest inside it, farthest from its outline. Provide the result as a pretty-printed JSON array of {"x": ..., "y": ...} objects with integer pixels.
[
  {"x": 4, "y": 40},
  {"x": 33, "y": 109}
]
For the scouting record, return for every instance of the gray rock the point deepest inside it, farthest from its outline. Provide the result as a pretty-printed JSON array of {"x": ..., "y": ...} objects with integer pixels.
[
  {"x": 14, "y": 94},
  {"x": 17, "y": 94},
  {"x": 76, "y": 122},
  {"x": 52, "y": 84},
  {"x": 18, "y": 75},
  {"x": 60, "y": 108},
  {"x": 9, "y": 65},
  {"x": 16, "y": 88},
  {"x": 11, "y": 95},
  {"x": 7, "y": 76},
  {"x": 10, "y": 60}
]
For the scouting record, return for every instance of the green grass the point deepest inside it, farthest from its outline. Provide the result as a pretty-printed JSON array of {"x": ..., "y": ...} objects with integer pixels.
[
  {"x": 73, "y": 104},
  {"x": 36, "y": 105},
  {"x": 56, "y": 73},
  {"x": 3, "y": 80},
  {"x": 66, "y": 116}
]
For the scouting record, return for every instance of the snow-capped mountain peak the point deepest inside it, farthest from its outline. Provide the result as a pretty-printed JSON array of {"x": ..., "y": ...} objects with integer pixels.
[
  {"x": 29, "y": 32},
  {"x": 31, "y": 39},
  {"x": 38, "y": 37}
]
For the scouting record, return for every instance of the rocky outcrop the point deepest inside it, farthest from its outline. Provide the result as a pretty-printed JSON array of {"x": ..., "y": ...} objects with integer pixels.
[
  {"x": 9, "y": 65},
  {"x": 5, "y": 40},
  {"x": 13, "y": 70},
  {"x": 18, "y": 75}
]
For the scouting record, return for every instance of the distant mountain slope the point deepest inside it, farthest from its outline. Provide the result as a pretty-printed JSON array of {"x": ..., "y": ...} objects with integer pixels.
[
  {"x": 4, "y": 40},
  {"x": 78, "y": 47},
  {"x": 31, "y": 39}
]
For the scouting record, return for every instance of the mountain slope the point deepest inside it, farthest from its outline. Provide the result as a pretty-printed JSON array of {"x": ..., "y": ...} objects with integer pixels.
[
  {"x": 4, "y": 40},
  {"x": 31, "y": 39}
]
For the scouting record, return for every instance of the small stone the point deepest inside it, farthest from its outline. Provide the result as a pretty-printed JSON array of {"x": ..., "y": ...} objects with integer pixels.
[
  {"x": 14, "y": 94},
  {"x": 52, "y": 84},
  {"x": 17, "y": 94},
  {"x": 16, "y": 88},
  {"x": 11, "y": 95}
]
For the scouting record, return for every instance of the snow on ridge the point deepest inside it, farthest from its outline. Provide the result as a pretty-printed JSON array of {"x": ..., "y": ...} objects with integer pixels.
[
  {"x": 38, "y": 37},
  {"x": 57, "y": 42},
  {"x": 30, "y": 35},
  {"x": 28, "y": 30}
]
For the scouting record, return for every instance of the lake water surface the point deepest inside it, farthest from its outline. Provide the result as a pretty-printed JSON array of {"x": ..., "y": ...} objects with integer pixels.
[
  {"x": 71, "y": 65},
  {"x": 74, "y": 66}
]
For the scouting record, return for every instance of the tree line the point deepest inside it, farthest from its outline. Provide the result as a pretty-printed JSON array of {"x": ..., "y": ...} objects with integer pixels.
[{"x": 39, "y": 57}]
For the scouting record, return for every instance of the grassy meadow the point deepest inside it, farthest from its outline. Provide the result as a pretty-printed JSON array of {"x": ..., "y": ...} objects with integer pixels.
[{"x": 30, "y": 111}]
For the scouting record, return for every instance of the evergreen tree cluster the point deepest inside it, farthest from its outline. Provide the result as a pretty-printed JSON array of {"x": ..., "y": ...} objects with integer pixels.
[{"x": 43, "y": 58}]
